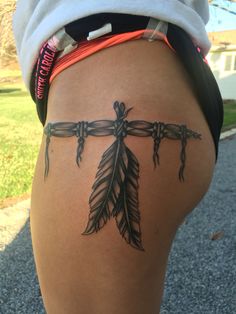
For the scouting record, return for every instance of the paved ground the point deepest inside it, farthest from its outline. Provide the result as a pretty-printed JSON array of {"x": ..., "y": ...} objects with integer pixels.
[{"x": 201, "y": 276}]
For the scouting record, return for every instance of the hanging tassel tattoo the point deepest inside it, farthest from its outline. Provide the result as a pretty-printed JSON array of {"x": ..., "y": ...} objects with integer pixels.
[
  {"x": 81, "y": 133},
  {"x": 115, "y": 190}
]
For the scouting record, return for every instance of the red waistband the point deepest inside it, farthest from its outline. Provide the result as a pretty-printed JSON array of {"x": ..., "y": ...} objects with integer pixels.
[{"x": 87, "y": 48}]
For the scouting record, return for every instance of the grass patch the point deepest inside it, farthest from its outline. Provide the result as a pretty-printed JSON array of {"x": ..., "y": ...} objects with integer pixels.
[
  {"x": 10, "y": 73},
  {"x": 230, "y": 115},
  {"x": 20, "y": 133}
]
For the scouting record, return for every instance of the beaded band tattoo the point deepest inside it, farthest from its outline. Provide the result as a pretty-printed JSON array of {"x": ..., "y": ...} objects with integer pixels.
[{"x": 115, "y": 190}]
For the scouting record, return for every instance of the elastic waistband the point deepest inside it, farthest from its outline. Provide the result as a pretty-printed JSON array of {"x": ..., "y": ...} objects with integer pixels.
[{"x": 87, "y": 48}]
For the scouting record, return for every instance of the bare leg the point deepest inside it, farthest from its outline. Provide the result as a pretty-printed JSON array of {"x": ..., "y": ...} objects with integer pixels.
[{"x": 101, "y": 273}]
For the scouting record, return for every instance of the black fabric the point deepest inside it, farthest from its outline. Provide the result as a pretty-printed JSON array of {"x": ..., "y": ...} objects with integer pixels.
[
  {"x": 39, "y": 85},
  {"x": 121, "y": 23},
  {"x": 203, "y": 81}
]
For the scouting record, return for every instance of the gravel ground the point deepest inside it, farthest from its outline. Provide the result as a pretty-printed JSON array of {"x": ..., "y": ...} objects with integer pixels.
[
  {"x": 19, "y": 288},
  {"x": 201, "y": 275}
]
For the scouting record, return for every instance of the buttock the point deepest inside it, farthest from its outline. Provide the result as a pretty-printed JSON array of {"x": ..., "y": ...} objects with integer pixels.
[{"x": 125, "y": 143}]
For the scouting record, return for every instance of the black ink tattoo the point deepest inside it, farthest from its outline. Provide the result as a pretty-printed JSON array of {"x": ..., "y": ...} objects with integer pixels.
[{"x": 115, "y": 190}]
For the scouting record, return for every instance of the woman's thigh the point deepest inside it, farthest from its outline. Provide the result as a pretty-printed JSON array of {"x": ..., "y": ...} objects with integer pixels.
[{"x": 100, "y": 272}]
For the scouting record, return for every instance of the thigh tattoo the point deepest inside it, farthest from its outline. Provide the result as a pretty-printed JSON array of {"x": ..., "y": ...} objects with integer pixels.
[{"x": 115, "y": 190}]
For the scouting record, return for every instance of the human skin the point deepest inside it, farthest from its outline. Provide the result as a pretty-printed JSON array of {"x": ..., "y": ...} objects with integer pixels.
[{"x": 100, "y": 273}]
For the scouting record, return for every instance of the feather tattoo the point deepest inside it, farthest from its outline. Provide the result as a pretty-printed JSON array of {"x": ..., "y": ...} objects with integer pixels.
[
  {"x": 126, "y": 210},
  {"x": 115, "y": 190},
  {"x": 106, "y": 189}
]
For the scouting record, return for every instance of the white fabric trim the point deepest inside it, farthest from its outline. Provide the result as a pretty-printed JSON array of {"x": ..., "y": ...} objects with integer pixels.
[{"x": 107, "y": 28}]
